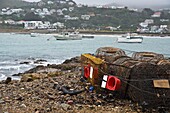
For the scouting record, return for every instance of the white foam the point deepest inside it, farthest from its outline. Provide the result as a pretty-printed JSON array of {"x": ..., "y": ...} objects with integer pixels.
[{"x": 2, "y": 77}]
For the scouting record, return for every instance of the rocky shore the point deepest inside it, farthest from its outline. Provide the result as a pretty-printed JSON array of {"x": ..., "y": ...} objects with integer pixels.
[{"x": 40, "y": 90}]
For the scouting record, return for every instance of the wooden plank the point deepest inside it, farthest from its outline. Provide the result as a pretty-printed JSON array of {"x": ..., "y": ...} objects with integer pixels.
[{"x": 161, "y": 83}]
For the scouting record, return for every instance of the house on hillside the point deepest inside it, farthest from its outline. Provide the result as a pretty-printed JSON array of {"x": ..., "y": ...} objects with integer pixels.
[
  {"x": 52, "y": 11},
  {"x": 85, "y": 17},
  {"x": 164, "y": 20},
  {"x": 79, "y": 5},
  {"x": 32, "y": 24},
  {"x": 143, "y": 24},
  {"x": 58, "y": 25},
  {"x": 62, "y": 2},
  {"x": 156, "y": 15},
  {"x": 50, "y": 2},
  {"x": 149, "y": 21},
  {"x": 70, "y": 3},
  {"x": 9, "y": 21},
  {"x": 41, "y": 3},
  {"x": 71, "y": 9}
]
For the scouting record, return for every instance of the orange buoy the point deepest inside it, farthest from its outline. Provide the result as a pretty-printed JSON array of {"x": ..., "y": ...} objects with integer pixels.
[
  {"x": 111, "y": 83},
  {"x": 87, "y": 71}
]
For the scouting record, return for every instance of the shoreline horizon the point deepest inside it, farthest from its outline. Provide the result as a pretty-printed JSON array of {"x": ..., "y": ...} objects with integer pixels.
[{"x": 93, "y": 32}]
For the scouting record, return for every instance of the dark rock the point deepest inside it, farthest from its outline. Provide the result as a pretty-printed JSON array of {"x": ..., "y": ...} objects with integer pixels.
[
  {"x": 25, "y": 62},
  {"x": 72, "y": 60},
  {"x": 39, "y": 61},
  {"x": 8, "y": 80}
]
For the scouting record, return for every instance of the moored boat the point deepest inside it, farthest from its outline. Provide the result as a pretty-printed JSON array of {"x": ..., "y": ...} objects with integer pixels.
[
  {"x": 68, "y": 36},
  {"x": 130, "y": 39},
  {"x": 34, "y": 34}
]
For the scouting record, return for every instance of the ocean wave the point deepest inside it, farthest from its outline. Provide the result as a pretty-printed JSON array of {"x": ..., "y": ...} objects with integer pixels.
[{"x": 2, "y": 77}]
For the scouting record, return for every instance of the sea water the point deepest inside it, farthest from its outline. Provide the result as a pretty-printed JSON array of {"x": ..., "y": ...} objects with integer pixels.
[{"x": 17, "y": 48}]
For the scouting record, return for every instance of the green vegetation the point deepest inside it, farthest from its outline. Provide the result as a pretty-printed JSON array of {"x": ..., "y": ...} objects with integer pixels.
[{"x": 100, "y": 18}]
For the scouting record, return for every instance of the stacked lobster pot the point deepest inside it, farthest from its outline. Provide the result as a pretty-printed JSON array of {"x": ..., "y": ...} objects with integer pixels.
[
  {"x": 144, "y": 77},
  {"x": 91, "y": 68}
]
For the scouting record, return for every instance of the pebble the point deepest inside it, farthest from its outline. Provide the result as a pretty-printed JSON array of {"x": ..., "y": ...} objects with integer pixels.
[
  {"x": 23, "y": 105},
  {"x": 65, "y": 106}
]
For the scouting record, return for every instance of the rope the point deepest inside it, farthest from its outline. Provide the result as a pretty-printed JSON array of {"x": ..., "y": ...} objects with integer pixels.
[
  {"x": 127, "y": 80},
  {"x": 132, "y": 80}
]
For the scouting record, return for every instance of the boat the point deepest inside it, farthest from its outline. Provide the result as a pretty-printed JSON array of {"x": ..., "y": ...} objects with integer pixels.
[
  {"x": 68, "y": 36},
  {"x": 87, "y": 36},
  {"x": 130, "y": 39},
  {"x": 34, "y": 34}
]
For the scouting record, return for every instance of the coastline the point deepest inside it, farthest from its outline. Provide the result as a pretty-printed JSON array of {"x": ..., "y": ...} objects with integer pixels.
[{"x": 25, "y": 31}]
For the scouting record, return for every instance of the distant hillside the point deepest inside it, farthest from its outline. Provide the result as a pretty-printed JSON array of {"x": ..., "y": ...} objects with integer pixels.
[
  {"x": 12, "y": 3},
  {"x": 154, "y": 7}
]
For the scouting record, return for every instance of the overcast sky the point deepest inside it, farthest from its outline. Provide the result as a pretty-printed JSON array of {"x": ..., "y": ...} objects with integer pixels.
[{"x": 124, "y": 2}]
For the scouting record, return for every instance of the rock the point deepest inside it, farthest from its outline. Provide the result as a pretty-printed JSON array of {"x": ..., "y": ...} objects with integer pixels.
[
  {"x": 65, "y": 107},
  {"x": 25, "y": 62},
  {"x": 72, "y": 60},
  {"x": 8, "y": 80},
  {"x": 2, "y": 102},
  {"x": 39, "y": 61},
  {"x": 23, "y": 105},
  {"x": 26, "y": 79},
  {"x": 70, "y": 102}
]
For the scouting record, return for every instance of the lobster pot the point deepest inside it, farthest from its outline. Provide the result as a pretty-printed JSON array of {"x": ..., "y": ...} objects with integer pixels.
[
  {"x": 149, "y": 84},
  {"x": 121, "y": 68},
  {"x": 93, "y": 68},
  {"x": 148, "y": 57},
  {"x": 109, "y": 54}
]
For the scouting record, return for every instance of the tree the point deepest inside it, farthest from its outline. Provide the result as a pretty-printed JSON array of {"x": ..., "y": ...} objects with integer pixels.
[{"x": 32, "y": 17}]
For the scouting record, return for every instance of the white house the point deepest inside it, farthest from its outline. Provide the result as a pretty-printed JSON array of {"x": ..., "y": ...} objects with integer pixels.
[
  {"x": 32, "y": 9},
  {"x": 70, "y": 3},
  {"x": 32, "y": 24},
  {"x": 52, "y": 11},
  {"x": 50, "y": 2},
  {"x": 113, "y": 7},
  {"x": 59, "y": 12},
  {"x": 79, "y": 5},
  {"x": 71, "y": 9},
  {"x": 44, "y": 25},
  {"x": 58, "y": 24},
  {"x": 4, "y": 10},
  {"x": 149, "y": 21},
  {"x": 99, "y": 6},
  {"x": 132, "y": 9},
  {"x": 9, "y": 21},
  {"x": 63, "y": 2},
  {"x": 85, "y": 17},
  {"x": 17, "y": 10},
  {"x": 164, "y": 20},
  {"x": 67, "y": 17},
  {"x": 156, "y": 14},
  {"x": 143, "y": 24},
  {"x": 41, "y": 3}
]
